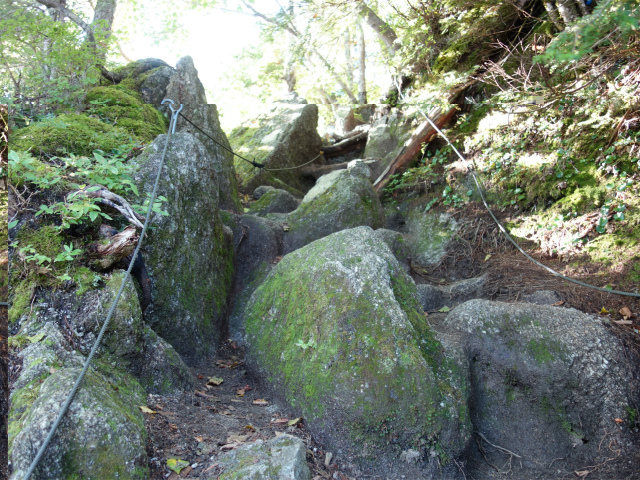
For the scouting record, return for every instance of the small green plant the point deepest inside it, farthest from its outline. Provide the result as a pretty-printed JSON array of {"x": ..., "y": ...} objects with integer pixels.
[
  {"x": 68, "y": 255},
  {"x": 304, "y": 345}
]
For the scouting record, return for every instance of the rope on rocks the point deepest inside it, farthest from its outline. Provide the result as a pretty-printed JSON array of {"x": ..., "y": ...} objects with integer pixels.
[
  {"x": 506, "y": 234},
  {"x": 252, "y": 162},
  {"x": 67, "y": 403}
]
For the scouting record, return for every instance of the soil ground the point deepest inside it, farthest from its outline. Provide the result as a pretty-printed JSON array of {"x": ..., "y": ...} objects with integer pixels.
[{"x": 198, "y": 429}]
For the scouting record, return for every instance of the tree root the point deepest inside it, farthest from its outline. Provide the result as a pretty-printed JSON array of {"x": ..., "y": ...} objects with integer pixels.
[{"x": 106, "y": 197}]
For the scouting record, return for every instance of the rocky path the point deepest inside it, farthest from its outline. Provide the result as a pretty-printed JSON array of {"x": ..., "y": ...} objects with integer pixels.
[{"x": 198, "y": 427}]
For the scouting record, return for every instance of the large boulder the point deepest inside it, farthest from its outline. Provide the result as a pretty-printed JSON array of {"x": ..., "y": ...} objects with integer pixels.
[
  {"x": 433, "y": 297},
  {"x": 189, "y": 254},
  {"x": 337, "y": 330},
  {"x": 274, "y": 200},
  {"x": 340, "y": 200},
  {"x": 547, "y": 384},
  {"x": 186, "y": 88},
  {"x": 282, "y": 138}
]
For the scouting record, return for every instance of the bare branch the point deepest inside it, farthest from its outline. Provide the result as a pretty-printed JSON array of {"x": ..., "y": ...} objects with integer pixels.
[{"x": 57, "y": 5}]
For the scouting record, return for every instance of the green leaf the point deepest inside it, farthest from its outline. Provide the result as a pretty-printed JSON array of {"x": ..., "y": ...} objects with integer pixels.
[
  {"x": 13, "y": 223},
  {"x": 36, "y": 338},
  {"x": 176, "y": 464},
  {"x": 444, "y": 309},
  {"x": 93, "y": 215}
]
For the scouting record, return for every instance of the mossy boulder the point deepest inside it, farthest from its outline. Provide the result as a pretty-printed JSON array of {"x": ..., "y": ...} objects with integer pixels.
[
  {"x": 336, "y": 329},
  {"x": 148, "y": 76},
  {"x": 186, "y": 88},
  {"x": 103, "y": 435},
  {"x": 188, "y": 254},
  {"x": 282, "y": 138},
  {"x": 122, "y": 108},
  {"x": 71, "y": 133},
  {"x": 339, "y": 200},
  {"x": 547, "y": 382},
  {"x": 274, "y": 200},
  {"x": 428, "y": 235}
]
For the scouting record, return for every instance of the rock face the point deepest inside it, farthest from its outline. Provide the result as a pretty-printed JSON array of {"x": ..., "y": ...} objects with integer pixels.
[
  {"x": 189, "y": 255},
  {"x": 284, "y": 137},
  {"x": 546, "y": 383},
  {"x": 274, "y": 200},
  {"x": 185, "y": 87},
  {"x": 258, "y": 242},
  {"x": 337, "y": 330},
  {"x": 339, "y": 200},
  {"x": 281, "y": 458}
]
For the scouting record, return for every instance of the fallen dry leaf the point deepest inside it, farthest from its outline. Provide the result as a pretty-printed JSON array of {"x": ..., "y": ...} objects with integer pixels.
[
  {"x": 278, "y": 433},
  {"x": 618, "y": 420},
  {"x": 623, "y": 322},
  {"x": 557, "y": 304},
  {"x": 52, "y": 370},
  {"x": 199, "y": 439},
  {"x": 261, "y": 401},
  {"x": 293, "y": 422},
  {"x": 240, "y": 392},
  {"x": 186, "y": 471},
  {"x": 280, "y": 420},
  {"x": 200, "y": 377},
  {"x": 173, "y": 426},
  {"x": 625, "y": 312},
  {"x": 145, "y": 409},
  {"x": 250, "y": 427},
  {"x": 237, "y": 438},
  {"x": 603, "y": 311},
  {"x": 230, "y": 446},
  {"x": 582, "y": 473},
  {"x": 215, "y": 381}
]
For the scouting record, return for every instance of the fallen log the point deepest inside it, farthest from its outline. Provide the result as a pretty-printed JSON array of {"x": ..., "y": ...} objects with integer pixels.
[
  {"x": 424, "y": 133},
  {"x": 316, "y": 171},
  {"x": 345, "y": 146}
]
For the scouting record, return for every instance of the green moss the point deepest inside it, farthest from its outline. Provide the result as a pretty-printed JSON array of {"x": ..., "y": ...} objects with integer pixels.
[
  {"x": 21, "y": 402},
  {"x": 20, "y": 299},
  {"x": 544, "y": 350},
  {"x": 71, "y": 133},
  {"x": 124, "y": 109},
  {"x": 45, "y": 240}
]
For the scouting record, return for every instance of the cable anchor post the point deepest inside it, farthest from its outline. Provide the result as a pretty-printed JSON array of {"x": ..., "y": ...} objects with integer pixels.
[{"x": 174, "y": 114}]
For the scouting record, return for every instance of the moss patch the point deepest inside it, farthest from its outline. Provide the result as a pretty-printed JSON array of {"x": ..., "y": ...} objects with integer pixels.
[
  {"x": 123, "y": 108},
  {"x": 71, "y": 133}
]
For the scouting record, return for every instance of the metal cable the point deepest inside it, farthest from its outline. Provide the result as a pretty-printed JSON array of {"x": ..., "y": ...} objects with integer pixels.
[
  {"x": 252, "y": 162},
  {"x": 506, "y": 234},
  {"x": 87, "y": 362}
]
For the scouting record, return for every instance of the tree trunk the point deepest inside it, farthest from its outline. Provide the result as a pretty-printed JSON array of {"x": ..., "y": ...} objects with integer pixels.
[
  {"x": 348, "y": 59},
  {"x": 553, "y": 15},
  {"x": 583, "y": 8},
  {"x": 362, "y": 85},
  {"x": 568, "y": 12},
  {"x": 334, "y": 74},
  {"x": 380, "y": 27},
  {"x": 289, "y": 68},
  {"x": 345, "y": 145}
]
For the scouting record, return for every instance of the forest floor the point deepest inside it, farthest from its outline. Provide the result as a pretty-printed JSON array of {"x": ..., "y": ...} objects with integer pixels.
[{"x": 199, "y": 426}]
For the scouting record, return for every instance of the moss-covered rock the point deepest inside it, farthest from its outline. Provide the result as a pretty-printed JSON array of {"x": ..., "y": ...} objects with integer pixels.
[
  {"x": 274, "y": 200},
  {"x": 337, "y": 330},
  {"x": 71, "y": 133},
  {"x": 284, "y": 137},
  {"x": 188, "y": 254},
  {"x": 428, "y": 235},
  {"x": 103, "y": 435},
  {"x": 121, "y": 107},
  {"x": 546, "y": 381},
  {"x": 338, "y": 201}
]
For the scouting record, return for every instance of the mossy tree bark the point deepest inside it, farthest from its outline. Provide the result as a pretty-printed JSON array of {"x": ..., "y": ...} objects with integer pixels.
[{"x": 568, "y": 12}]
